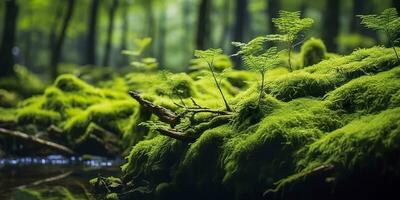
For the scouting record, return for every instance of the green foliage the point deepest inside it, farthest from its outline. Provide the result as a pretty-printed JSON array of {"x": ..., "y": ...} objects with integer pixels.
[
  {"x": 313, "y": 51},
  {"x": 8, "y": 99},
  {"x": 208, "y": 56},
  {"x": 254, "y": 47},
  {"x": 388, "y": 22},
  {"x": 289, "y": 25}
]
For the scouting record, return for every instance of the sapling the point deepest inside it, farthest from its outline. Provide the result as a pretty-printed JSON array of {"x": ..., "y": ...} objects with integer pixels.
[
  {"x": 262, "y": 63},
  {"x": 289, "y": 26},
  {"x": 388, "y": 22},
  {"x": 209, "y": 56}
]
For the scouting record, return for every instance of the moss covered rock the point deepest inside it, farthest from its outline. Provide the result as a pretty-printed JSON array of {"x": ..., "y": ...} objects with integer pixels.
[{"x": 313, "y": 51}]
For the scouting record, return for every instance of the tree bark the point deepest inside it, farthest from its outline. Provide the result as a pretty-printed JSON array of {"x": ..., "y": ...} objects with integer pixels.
[
  {"x": 162, "y": 35},
  {"x": 396, "y": 4},
  {"x": 241, "y": 14},
  {"x": 111, "y": 17},
  {"x": 331, "y": 24},
  {"x": 125, "y": 29},
  {"x": 203, "y": 31},
  {"x": 150, "y": 26},
  {"x": 273, "y": 7},
  {"x": 187, "y": 26},
  {"x": 91, "y": 37},
  {"x": 362, "y": 7},
  {"x": 8, "y": 40},
  {"x": 226, "y": 24},
  {"x": 55, "y": 58}
]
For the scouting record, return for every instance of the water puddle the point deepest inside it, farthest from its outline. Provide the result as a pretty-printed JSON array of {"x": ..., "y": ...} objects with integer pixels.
[{"x": 52, "y": 173}]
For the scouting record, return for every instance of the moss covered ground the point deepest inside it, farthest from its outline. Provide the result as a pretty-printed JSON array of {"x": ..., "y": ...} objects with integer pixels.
[
  {"x": 326, "y": 125},
  {"x": 323, "y": 126}
]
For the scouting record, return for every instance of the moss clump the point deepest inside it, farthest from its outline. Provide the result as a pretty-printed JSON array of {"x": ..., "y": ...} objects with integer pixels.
[
  {"x": 37, "y": 116},
  {"x": 360, "y": 142},
  {"x": 24, "y": 84},
  {"x": 301, "y": 84},
  {"x": 313, "y": 51},
  {"x": 368, "y": 93},
  {"x": 112, "y": 116},
  {"x": 8, "y": 115},
  {"x": 325, "y": 76},
  {"x": 8, "y": 99},
  {"x": 70, "y": 83}
]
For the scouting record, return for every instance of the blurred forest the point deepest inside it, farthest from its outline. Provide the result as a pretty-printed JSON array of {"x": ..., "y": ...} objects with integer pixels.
[{"x": 51, "y": 37}]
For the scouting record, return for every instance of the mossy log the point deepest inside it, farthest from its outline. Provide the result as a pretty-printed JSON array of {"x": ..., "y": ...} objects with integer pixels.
[{"x": 37, "y": 141}]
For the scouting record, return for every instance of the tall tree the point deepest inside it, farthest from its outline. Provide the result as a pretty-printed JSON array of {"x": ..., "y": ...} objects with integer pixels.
[
  {"x": 273, "y": 7},
  {"x": 148, "y": 5},
  {"x": 226, "y": 23},
  {"x": 203, "y": 31},
  {"x": 91, "y": 37},
  {"x": 56, "y": 54},
  {"x": 361, "y": 7},
  {"x": 162, "y": 35},
  {"x": 111, "y": 16},
  {"x": 8, "y": 40},
  {"x": 331, "y": 24},
  {"x": 124, "y": 32},
  {"x": 241, "y": 14},
  {"x": 396, "y": 4}
]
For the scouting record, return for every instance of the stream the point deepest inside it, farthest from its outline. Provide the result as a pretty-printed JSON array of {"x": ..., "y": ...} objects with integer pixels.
[{"x": 53, "y": 173}]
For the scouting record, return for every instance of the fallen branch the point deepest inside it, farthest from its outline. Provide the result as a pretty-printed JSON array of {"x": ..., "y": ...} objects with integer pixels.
[
  {"x": 46, "y": 180},
  {"x": 36, "y": 140},
  {"x": 162, "y": 113},
  {"x": 176, "y": 135}
]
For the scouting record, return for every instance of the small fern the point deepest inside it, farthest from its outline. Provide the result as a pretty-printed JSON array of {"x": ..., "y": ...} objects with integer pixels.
[
  {"x": 261, "y": 64},
  {"x": 209, "y": 56},
  {"x": 388, "y": 22},
  {"x": 289, "y": 26}
]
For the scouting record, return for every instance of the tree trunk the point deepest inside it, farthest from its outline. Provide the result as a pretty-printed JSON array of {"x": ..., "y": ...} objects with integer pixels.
[
  {"x": 161, "y": 37},
  {"x": 125, "y": 28},
  {"x": 55, "y": 58},
  {"x": 150, "y": 26},
  {"x": 362, "y": 7},
  {"x": 203, "y": 25},
  {"x": 241, "y": 14},
  {"x": 396, "y": 4},
  {"x": 91, "y": 38},
  {"x": 331, "y": 24},
  {"x": 54, "y": 25},
  {"x": 226, "y": 24},
  {"x": 8, "y": 40},
  {"x": 187, "y": 26},
  {"x": 111, "y": 16},
  {"x": 273, "y": 7}
]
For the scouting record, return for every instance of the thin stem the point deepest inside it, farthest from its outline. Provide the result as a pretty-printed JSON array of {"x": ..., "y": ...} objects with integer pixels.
[
  {"x": 392, "y": 45},
  {"x": 289, "y": 52},
  {"x": 218, "y": 86},
  {"x": 262, "y": 88}
]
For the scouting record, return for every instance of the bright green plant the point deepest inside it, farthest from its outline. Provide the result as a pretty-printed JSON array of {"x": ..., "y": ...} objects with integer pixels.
[
  {"x": 289, "y": 26},
  {"x": 388, "y": 22},
  {"x": 261, "y": 64},
  {"x": 208, "y": 56}
]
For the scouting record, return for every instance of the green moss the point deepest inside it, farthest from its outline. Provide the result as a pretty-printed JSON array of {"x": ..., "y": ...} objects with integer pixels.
[
  {"x": 31, "y": 115},
  {"x": 240, "y": 79},
  {"x": 25, "y": 83},
  {"x": 360, "y": 142},
  {"x": 368, "y": 93},
  {"x": 153, "y": 159},
  {"x": 70, "y": 83},
  {"x": 113, "y": 116},
  {"x": 8, "y": 99},
  {"x": 313, "y": 51},
  {"x": 325, "y": 76},
  {"x": 27, "y": 194},
  {"x": 8, "y": 115}
]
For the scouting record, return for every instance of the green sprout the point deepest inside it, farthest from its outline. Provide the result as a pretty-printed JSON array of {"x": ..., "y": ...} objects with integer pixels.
[
  {"x": 261, "y": 64},
  {"x": 208, "y": 56},
  {"x": 289, "y": 26},
  {"x": 388, "y": 22}
]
